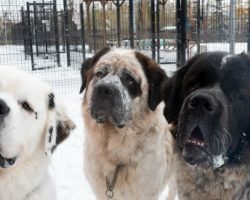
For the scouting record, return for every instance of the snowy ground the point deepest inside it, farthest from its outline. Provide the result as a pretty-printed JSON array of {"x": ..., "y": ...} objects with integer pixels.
[{"x": 67, "y": 162}]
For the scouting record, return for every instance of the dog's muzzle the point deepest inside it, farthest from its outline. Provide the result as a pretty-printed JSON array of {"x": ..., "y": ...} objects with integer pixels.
[
  {"x": 202, "y": 128},
  {"x": 110, "y": 102},
  {"x": 4, "y": 111}
]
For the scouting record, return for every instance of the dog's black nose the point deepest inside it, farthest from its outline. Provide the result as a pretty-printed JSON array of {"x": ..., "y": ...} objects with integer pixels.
[
  {"x": 4, "y": 108},
  {"x": 203, "y": 101},
  {"x": 105, "y": 89}
]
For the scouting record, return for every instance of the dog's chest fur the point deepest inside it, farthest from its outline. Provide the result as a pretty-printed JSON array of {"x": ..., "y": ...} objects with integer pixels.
[
  {"x": 226, "y": 183},
  {"x": 29, "y": 181},
  {"x": 144, "y": 157}
]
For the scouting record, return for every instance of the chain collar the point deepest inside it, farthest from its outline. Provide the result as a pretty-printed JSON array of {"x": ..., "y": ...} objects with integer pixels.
[{"x": 110, "y": 184}]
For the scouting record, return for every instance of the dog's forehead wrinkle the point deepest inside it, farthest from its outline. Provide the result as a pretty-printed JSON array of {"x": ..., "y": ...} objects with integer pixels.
[
  {"x": 118, "y": 60},
  {"x": 103, "y": 65},
  {"x": 114, "y": 79}
]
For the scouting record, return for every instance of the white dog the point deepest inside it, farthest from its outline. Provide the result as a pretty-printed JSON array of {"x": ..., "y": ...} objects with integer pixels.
[{"x": 32, "y": 124}]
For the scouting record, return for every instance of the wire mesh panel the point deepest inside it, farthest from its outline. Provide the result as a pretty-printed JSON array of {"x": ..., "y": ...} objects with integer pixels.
[
  {"x": 11, "y": 46},
  {"x": 51, "y": 38},
  {"x": 33, "y": 39},
  {"x": 217, "y": 25}
]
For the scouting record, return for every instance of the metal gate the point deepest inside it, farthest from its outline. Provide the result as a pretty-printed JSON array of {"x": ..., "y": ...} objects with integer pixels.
[{"x": 41, "y": 34}]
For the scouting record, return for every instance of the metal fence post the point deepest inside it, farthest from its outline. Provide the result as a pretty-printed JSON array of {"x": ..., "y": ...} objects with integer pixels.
[
  {"x": 158, "y": 29},
  {"x": 66, "y": 26},
  {"x": 45, "y": 30},
  {"x": 56, "y": 34},
  {"x": 153, "y": 44},
  {"x": 248, "y": 35},
  {"x": 35, "y": 26},
  {"x": 118, "y": 17},
  {"x": 131, "y": 23},
  {"x": 24, "y": 33},
  {"x": 93, "y": 25},
  {"x": 232, "y": 26},
  {"x": 30, "y": 38},
  {"x": 82, "y": 31},
  {"x": 198, "y": 28},
  {"x": 181, "y": 16}
]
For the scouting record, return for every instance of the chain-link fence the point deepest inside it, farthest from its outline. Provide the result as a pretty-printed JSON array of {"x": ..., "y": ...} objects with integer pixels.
[
  {"x": 217, "y": 25},
  {"x": 51, "y": 38}
]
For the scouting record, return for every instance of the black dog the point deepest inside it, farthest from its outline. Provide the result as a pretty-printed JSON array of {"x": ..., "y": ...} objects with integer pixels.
[{"x": 208, "y": 102}]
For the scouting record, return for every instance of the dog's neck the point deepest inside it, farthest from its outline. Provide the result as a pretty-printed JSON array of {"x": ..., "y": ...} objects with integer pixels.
[{"x": 123, "y": 145}]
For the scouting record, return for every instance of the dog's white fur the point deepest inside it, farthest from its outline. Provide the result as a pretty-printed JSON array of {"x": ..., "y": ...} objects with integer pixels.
[
  {"x": 26, "y": 134},
  {"x": 144, "y": 146}
]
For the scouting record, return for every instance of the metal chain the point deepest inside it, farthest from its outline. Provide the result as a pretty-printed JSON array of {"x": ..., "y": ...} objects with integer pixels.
[{"x": 110, "y": 186}]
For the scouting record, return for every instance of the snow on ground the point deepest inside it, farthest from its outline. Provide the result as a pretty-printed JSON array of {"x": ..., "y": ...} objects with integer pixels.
[{"x": 67, "y": 161}]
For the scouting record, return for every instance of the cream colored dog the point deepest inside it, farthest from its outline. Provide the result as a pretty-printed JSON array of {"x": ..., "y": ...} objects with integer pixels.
[{"x": 128, "y": 150}]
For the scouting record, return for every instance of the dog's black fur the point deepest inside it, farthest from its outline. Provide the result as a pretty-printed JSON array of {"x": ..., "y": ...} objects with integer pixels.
[{"x": 208, "y": 103}]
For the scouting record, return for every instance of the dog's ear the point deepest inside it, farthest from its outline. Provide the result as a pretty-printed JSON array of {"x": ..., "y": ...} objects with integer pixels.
[
  {"x": 86, "y": 65},
  {"x": 171, "y": 91},
  {"x": 155, "y": 76},
  {"x": 90, "y": 63},
  {"x": 58, "y": 126}
]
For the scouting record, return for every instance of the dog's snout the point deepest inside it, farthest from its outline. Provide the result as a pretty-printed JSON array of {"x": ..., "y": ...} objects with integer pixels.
[
  {"x": 105, "y": 89},
  {"x": 203, "y": 101},
  {"x": 4, "y": 108}
]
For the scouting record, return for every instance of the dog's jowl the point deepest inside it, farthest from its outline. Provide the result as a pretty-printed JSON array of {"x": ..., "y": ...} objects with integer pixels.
[
  {"x": 128, "y": 150},
  {"x": 208, "y": 103}
]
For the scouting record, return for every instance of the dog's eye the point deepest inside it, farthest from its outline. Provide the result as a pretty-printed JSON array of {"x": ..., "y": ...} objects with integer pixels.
[
  {"x": 129, "y": 79},
  {"x": 99, "y": 74},
  {"x": 26, "y": 106},
  {"x": 193, "y": 86}
]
